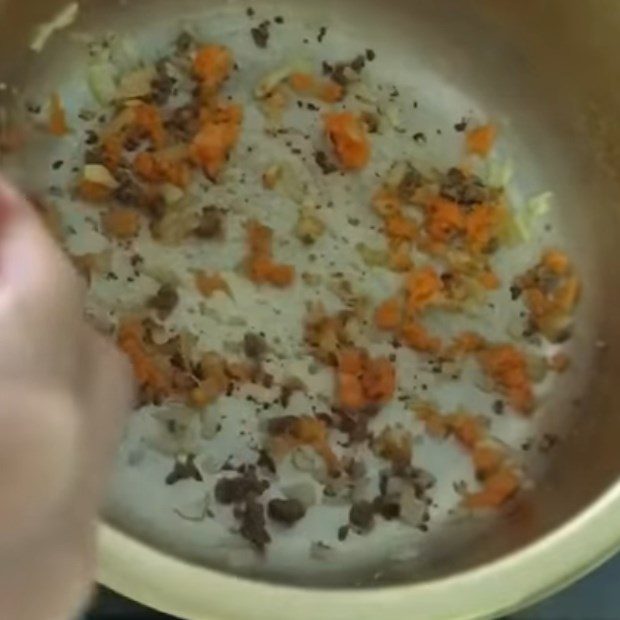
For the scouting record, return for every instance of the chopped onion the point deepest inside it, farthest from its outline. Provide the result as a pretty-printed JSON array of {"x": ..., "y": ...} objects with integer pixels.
[
  {"x": 102, "y": 81},
  {"x": 171, "y": 193},
  {"x": 96, "y": 173},
  {"x": 136, "y": 84},
  {"x": 412, "y": 509}
]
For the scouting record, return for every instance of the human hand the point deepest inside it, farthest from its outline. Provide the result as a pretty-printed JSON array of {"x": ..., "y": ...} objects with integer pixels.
[{"x": 64, "y": 390}]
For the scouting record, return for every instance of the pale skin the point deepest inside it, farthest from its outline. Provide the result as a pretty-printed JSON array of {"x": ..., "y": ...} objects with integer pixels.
[{"x": 64, "y": 391}]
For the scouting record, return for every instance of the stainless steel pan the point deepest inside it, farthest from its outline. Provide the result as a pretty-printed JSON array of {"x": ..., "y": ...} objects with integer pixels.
[{"x": 550, "y": 70}]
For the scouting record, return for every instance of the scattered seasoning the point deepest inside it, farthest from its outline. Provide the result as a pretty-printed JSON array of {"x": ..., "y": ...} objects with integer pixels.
[
  {"x": 499, "y": 407},
  {"x": 286, "y": 511},
  {"x": 322, "y": 33},
  {"x": 211, "y": 224},
  {"x": 250, "y": 12},
  {"x": 515, "y": 292},
  {"x": 322, "y": 160},
  {"x": 260, "y": 34},
  {"x": 370, "y": 55},
  {"x": 59, "y": 163},
  {"x": 420, "y": 137},
  {"x": 184, "y": 470},
  {"x": 279, "y": 19}
]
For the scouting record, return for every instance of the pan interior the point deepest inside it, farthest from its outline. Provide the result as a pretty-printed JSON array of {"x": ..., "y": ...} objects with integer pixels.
[{"x": 446, "y": 63}]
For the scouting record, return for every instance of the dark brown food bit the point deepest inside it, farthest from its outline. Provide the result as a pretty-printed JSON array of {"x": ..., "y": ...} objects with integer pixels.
[
  {"x": 412, "y": 180},
  {"x": 253, "y": 524},
  {"x": 58, "y": 164},
  {"x": 420, "y": 137},
  {"x": 548, "y": 441},
  {"x": 93, "y": 156},
  {"x": 250, "y": 12},
  {"x": 128, "y": 191},
  {"x": 358, "y": 64},
  {"x": 260, "y": 34},
  {"x": 289, "y": 387},
  {"x": 322, "y": 33},
  {"x": 322, "y": 161},
  {"x": 265, "y": 461},
  {"x": 343, "y": 532},
  {"x": 362, "y": 515},
  {"x": 464, "y": 189},
  {"x": 184, "y": 42},
  {"x": 370, "y": 55},
  {"x": 162, "y": 85},
  {"x": 388, "y": 507},
  {"x": 254, "y": 346},
  {"x": 165, "y": 300},
  {"x": 279, "y": 19},
  {"x": 498, "y": 407},
  {"x": 211, "y": 225},
  {"x": 287, "y": 511},
  {"x": 515, "y": 292},
  {"x": 281, "y": 425},
  {"x": 461, "y": 125},
  {"x": 236, "y": 490},
  {"x": 184, "y": 471},
  {"x": 371, "y": 121}
]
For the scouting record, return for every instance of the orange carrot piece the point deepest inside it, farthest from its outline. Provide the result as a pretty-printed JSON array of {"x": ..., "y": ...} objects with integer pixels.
[
  {"x": 147, "y": 119},
  {"x": 486, "y": 460},
  {"x": 93, "y": 192},
  {"x": 400, "y": 227},
  {"x": 281, "y": 275},
  {"x": 389, "y": 314},
  {"x": 302, "y": 83},
  {"x": 330, "y": 92},
  {"x": 57, "y": 123},
  {"x": 423, "y": 287},
  {"x": 351, "y": 361},
  {"x": 415, "y": 336},
  {"x": 444, "y": 220},
  {"x": 480, "y": 140},
  {"x": 348, "y": 135},
  {"x": 468, "y": 429},
  {"x": 507, "y": 367},
  {"x": 350, "y": 391},
  {"x": 497, "y": 489},
  {"x": 212, "y": 66},
  {"x": 218, "y": 135},
  {"x": 121, "y": 222},
  {"x": 207, "y": 284},
  {"x": 379, "y": 380}
]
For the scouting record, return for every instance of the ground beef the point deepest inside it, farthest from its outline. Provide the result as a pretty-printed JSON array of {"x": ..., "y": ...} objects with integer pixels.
[
  {"x": 464, "y": 189},
  {"x": 254, "y": 346},
  {"x": 165, "y": 300},
  {"x": 211, "y": 224},
  {"x": 253, "y": 524}
]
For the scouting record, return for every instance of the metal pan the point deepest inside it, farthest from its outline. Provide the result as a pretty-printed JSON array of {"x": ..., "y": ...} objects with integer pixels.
[{"x": 547, "y": 72}]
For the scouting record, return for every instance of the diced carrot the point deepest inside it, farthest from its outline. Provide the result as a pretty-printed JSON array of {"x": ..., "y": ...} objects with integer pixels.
[
  {"x": 330, "y": 92},
  {"x": 351, "y": 361},
  {"x": 415, "y": 336},
  {"x": 218, "y": 135},
  {"x": 557, "y": 262},
  {"x": 486, "y": 460},
  {"x": 423, "y": 287},
  {"x": 497, "y": 489},
  {"x": 57, "y": 123},
  {"x": 379, "y": 380},
  {"x": 400, "y": 227},
  {"x": 147, "y": 119},
  {"x": 348, "y": 136},
  {"x": 147, "y": 372},
  {"x": 389, "y": 314},
  {"x": 480, "y": 140},
  {"x": 302, "y": 83},
  {"x": 481, "y": 225},
  {"x": 468, "y": 429},
  {"x": 399, "y": 256},
  {"x": 209, "y": 283},
  {"x": 121, "y": 222},
  {"x": 212, "y": 66},
  {"x": 489, "y": 280},
  {"x": 93, "y": 192},
  {"x": 444, "y": 219},
  {"x": 350, "y": 391},
  {"x": 155, "y": 169},
  {"x": 386, "y": 203},
  {"x": 464, "y": 344},
  {"x": 436, "y": 425},
  {"x": 281, "y": 275},
  {"x": 507, "y": 367}
]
